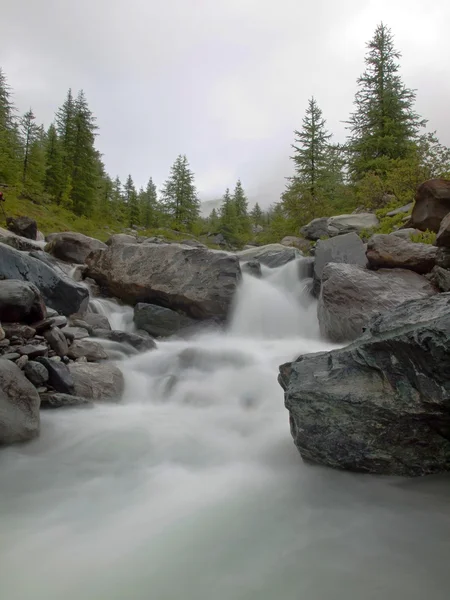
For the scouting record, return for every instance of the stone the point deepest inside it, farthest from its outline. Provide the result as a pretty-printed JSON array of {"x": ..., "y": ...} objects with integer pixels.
[
  {"x": 20, "y": 301},
  {"x": 351, "y": 295},
  {"x": 2, "y": 333},
  {"x": 316, "y": 229},
  {"x": 57, "y": 341},
  {"x": 348, "y": 249},
  {"x": 390, "y": 252},
  {"x": 257, "y": 229},
  {"x": 58, "y": 291},
  {"x": 72, "y": 247},
  {"x": 382, "y": 404},
  {"x": 443, "y": 258},
  {"x": 296, "y": 242},
  {"x": 431, "y": 205},
  {"x": 93, "y": 351},
  {"x": 4, "y": 343},
  {"x": 75, "y": 333},
  {"x": 443, "y": 236},
  {"x": 18, "y": 330},
  {"x": 59, "y": 376},
  {"x": 400, "y": 211},
  {"x": 343, "y": 224},
  {"x": 440, "y": 278},
  {"x": 45, "y": 324},
  {"x": 406, "y": 233},
  {"x": 252, "y": 267},
  {"x": 18, "y": 242},
  {"x": 23, "y": 226},
  {"x": 91, "y": 320},
  {"x": 121, "y": 238},
  {"x": 22, "y": 361},
  {"x": 59, "y": 400},
  {"x": 97, "y": 381},
  {"x": 19, "y": 405},
  {"x": 138, "y": 342},
  {"x": 158, "y": 321},
  {"x": 271, "y": 255},
  {"x": 11, "y": 356},
  {"x": 199, "y": 282},
  {"x": 33, "y": 351},
  {"x": 36, "y": 373}
]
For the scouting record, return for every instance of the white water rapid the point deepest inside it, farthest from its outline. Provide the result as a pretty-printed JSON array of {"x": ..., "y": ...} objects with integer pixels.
[{"x": 191, "y": 488}]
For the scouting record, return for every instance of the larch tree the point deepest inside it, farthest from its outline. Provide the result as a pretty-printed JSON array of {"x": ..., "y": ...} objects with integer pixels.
[
  {"x": 384, "y": 125},
  {"x": 179, "y": 195}
]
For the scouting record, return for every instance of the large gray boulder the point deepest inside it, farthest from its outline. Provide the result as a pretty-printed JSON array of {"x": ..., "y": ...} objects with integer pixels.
[
  {"x": 19, "y": 405},
  {"x": 382, "y": 404},
  {"x": 432, "y": 204},
  {"x": 316, "y": 229},
  {"x": 440, "y": 278},
  {"x": 92, "y": 351},
  {"x": 348, "y": 249},
  {"x": 18, "y": 242},
  {"x": 23, "y": 226},
  {"x": 443, "y": 236},
  {"x": 342, "y": 224},
  {"x": 159, "y": 321},
  {"x": 20, "y": 301},
  {"x": 59, "y": 291},
  {"x": 271, "y": 255},
  {"x": 72, "y": 247},
  {"x": 391, "y": 252},
  {"x": 197, "y": 281},
  {"x": 94, "y": 381},
  {"x": 350, "y": 296}
]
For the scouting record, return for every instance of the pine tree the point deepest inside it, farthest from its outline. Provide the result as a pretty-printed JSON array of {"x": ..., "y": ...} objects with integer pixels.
[
  {"x": 384, "y": 125},
  {"x": 179, "y": 196},
  {"x": 9, "y": 136},
  {"x": 54, "y": 176},
  {"x": 29, "y": 132},
  {"x": 257, "y": 215},
  {"x": 241, "y": 207},
  {"x": 149, "y": 209},
  {"x": 84, "y": 158}
]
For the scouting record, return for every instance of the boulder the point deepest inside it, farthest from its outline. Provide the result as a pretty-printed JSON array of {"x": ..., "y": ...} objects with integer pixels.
[
  {"x": 348, "y": 249},
  {"x": 59, "y": 376},
  {"x": 139, "y": 342},
  {"x": 33, "y": 350},
  {"x": 49, "y": 322},
  {"x": 72, "y": 247},
  {"x": 58, "y": 291},
  {"x": 58, "y": 400},
  {"x": 342, "y": 224},
  {"x": 443, "y": 258},
  {"x": 400, "y": 211},
  {"x": 443, "y": 236},
  {"x": 296, "y": 242},
  {"x": 196, "y": 281},
  {"x": 121, "y": 238},
  {"x": 20, "y": 301},
  {"x": 75, "y": 333},
  {"x": 18, "y": 242},
  {"x": 351, "y": 295},
  {"x": 382, "y": 404},
  {"x": 440, "y": 278},
  {"x": 57, "y": 341},
  {"x": 252, "y": 267},
  {"x": 19, "y": 405},
  {"x": 158, "y": 321},
  {"x": 406, "y": 233},
  {"x": 91, "y": 320},
  {"x": 36, "y": 373},
  {"x": 391, "y": 252},
  {"x": 18, "y": 330},
  {"x": 271, "y": 255},
  {"x": 93, "y": 381},
  {"x": 23, "y": 226},
  {"x": 316, "y": 229},
  {"x": 432, "y": 204},
  {"x": 92, "y": 351}
]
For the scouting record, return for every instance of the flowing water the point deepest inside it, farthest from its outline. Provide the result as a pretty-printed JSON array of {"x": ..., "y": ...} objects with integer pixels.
[{"x": 192, "y": 489}]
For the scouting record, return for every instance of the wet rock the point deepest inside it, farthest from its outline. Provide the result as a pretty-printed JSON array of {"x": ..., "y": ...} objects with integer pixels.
[
  {"x": 45, "y": 324},
  {"x": 380, "y": 405},
  {"x": 58, "y": 400},
  {"x": 75, "y": 333},
  {"x": 296, "y": 242},
  {"x": 17, "y": 330},
  {"x": 443, "y": 258},
  {"x": 93, "y": 351},
  {"x": 59, "y": 376},
  {"x": 91, "y": 321},
  {"x": 19, "y": 405},
  {"x": 23, "y": 226},
  {"x": 94, "y": 381},
  {"x": 158, "y": 321},
  {"x": 432, "y": 204},
  {"x": 390, "y": 252},
  {"x": 271, "y": 255},
  {"x": 440, "y": 278},
  {"x": 139, "y": 342},
  {"x": 17, "y": 242},
  {"x": 72, "y": 247},
  {"x": 58, "y": 291},
  {"x": 197, "y": 281},
  {"x": 351, "y": 295},
  {"x": 348, "y": 249},
  {"x": 22, "y": 361},
  {"x": 316, "y": 229},
  {"x": 33, "y": 351},
  {"x": 252, "y": 267},
  {"x": 57, "y": 341},
  {"x": 20, "y": 301},
  {"x": 36, "y": 373}
]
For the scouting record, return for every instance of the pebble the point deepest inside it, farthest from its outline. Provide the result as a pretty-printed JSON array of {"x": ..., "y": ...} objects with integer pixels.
[
  {"x": 4, "y": 343},
  {"x": 22, "y": 361},
  {"x": 33, "y": 351}
]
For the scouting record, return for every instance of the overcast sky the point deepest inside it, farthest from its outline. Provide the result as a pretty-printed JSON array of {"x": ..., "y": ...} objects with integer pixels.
[{"x": 224, "y": 81}]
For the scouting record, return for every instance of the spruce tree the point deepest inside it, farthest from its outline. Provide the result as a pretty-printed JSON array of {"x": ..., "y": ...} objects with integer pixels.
[
  {"x": 213, "y": 220},
  {"x": 54, "y": 176},
  {"x": 149, "y": 209},
  {"x": 66, "y": 129},
  {"x": 9, "y": 136},
  {"x": 117, "y": 201},
  {"x": 131, "y": 199},
  {"x": 36, "y": 164},
  {"x": 384, "y": 125},
  {"x": 179, "y": 196},
  {"x": 29, "y": 133},
  {"x": 229, "y": 224},
  {"x": 241, "y": 207},
  {"x": 257, "y": 215}
]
